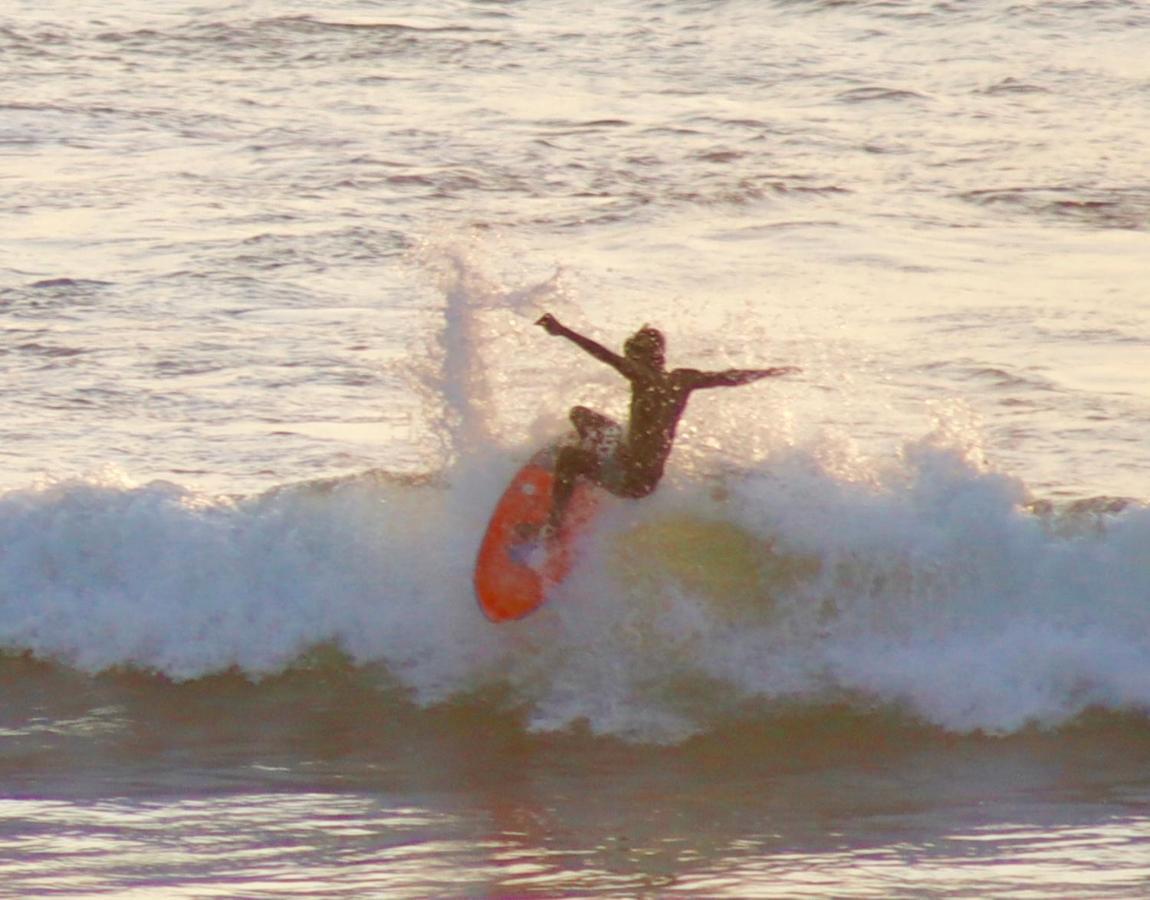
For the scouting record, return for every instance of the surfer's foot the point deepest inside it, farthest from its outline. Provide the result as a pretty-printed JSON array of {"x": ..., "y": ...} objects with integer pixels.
[
  {"x": 526, "y": 532},
  {"x": 532, "y": 546},
  {"x": 535, "y": 532}
]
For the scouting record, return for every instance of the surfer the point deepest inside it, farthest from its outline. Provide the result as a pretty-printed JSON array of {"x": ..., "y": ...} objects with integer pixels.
[{"x": 634, "y": 465}]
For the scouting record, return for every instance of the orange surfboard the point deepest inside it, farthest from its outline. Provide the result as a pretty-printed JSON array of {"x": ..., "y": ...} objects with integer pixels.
[{"x": 514, "y": 574}]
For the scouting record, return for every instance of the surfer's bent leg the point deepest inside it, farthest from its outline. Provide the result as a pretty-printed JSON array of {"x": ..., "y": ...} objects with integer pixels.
[
  {"x": 571, "y": 463},
  {"x": 616, "y": 474}
]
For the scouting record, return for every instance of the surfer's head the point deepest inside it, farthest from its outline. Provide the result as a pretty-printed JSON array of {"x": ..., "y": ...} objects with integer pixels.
[{"x": 647, "y": 345}]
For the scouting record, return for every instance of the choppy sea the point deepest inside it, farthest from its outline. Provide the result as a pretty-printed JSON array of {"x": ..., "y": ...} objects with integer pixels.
[{"x": 268, "y": 274}]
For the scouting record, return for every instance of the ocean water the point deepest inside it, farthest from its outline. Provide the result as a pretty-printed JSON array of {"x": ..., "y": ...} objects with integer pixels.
[{"x": 268, "y": 278}]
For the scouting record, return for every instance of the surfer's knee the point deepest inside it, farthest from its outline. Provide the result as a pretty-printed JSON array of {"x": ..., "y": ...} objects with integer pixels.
[
  {"x": 580, "y": 414},
  {"x": 587, "y": 421}
]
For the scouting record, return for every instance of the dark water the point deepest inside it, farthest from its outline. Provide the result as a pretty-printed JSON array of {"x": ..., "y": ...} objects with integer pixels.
[{"x": 327, "y": 782}]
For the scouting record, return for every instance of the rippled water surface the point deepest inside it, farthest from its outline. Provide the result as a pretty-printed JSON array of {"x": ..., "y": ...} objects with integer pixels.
[
  {"x": 322, "y": 785},
  {"x": 268, "y": 273}
]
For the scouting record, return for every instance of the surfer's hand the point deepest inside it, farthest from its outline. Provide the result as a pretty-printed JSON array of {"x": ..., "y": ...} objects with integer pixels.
[{"x": 549, "y": 323}]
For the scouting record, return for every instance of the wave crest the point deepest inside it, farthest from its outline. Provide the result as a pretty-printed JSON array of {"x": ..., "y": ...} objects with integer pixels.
[{"x": 933, "y": 588}]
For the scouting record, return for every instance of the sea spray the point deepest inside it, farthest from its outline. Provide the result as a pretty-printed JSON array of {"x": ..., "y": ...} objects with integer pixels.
[{"x": 466, "y": 378}]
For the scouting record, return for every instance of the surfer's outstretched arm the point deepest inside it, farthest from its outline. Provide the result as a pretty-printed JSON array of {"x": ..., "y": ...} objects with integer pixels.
[
  {"x": 553, "y": 326},
  {"x": 736, "y": 377}
]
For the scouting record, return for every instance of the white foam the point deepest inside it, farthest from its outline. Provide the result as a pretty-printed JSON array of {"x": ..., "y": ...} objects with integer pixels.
[
  {"x": 934, "y": 591},
  {"x": 919, "y": 582}
]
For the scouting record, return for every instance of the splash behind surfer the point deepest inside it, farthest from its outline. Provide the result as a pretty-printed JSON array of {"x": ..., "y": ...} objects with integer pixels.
[{"x": 634, "y": 466}]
